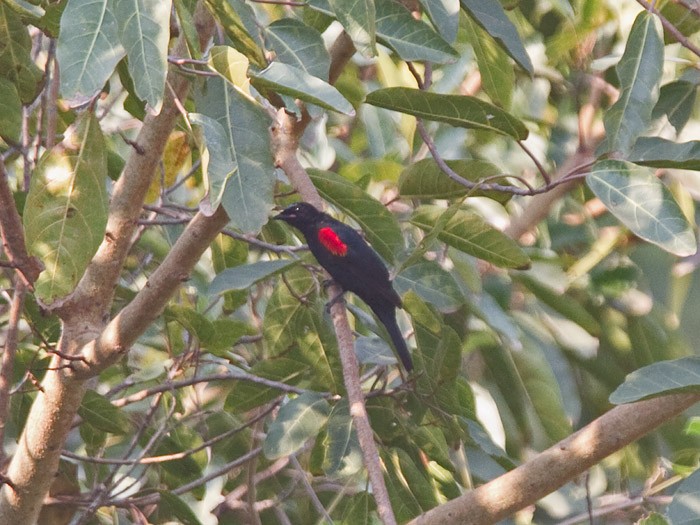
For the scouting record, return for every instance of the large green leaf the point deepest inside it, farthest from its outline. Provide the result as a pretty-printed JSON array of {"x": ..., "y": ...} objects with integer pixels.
[
  {"x": 66, "y": 210},
  {"x": 247, "y": 197},
  {"x": 662, "y": 153},
  {"x": 377, "y": 223},
  {"x": 490, "y": 15},
  {"x": 444, "y": 14},
  {"x": 218, "y": 161},
  {"x": 642, "y": 203},
  {"x": 665, "y": 377},
  {"x": 295, "y": 82},
  {"x": 103, "y": 415},
  {"x": 411, "y": 39},
  {"x": 432, "y": 284},
  {"x": 238, "y": 20},
  {"x": 294, "y": 325},
  {"x": 456, "y": 110},
  {"x": 469, "y": 233},
  {"x": 144, "y": 30},
  {"x": 685, "y": 505},
  {"x": 10, "y": 111},
  {"x": 359, "y": 20},
  {"x": 676, "y": 101},
  {"x": 88, "y": 47},
  {"x": 425, "y": 180},
  {"x": 244, "y": 276},
  {"x": 16, "y": 64},
  {"x": 639, "y": 71},
  {"x": 495, "y": 68},
  {"x": 299, "y": 45},
  {"x": 343, "y": 455},
  {"x": 297, "y": 421}
]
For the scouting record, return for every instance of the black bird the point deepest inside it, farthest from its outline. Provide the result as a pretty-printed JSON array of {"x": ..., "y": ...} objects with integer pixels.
[{"x": 352, "y": 264}]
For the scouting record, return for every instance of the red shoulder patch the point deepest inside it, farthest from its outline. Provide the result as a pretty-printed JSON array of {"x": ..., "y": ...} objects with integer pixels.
[{"x": 331, "y": 241}]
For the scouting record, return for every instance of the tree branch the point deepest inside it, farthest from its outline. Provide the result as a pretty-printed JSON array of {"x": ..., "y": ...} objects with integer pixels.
[
  {"x": 13, "y": 242},
  {"x": 523, "y": 486},
  {"x": 285, "y": 140}
]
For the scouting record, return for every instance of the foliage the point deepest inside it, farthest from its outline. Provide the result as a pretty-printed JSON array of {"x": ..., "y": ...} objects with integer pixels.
[{"x": 538, "y": 215}]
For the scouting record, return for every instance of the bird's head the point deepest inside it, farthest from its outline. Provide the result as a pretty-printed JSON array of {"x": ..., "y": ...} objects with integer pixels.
[{"x": 301, "y": 215}]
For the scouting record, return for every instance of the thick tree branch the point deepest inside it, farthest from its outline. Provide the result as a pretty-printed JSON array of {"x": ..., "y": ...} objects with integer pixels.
[
  {"x": 123, "y": 331},
  {"x": 552, "y": 468},
  {"x": 36, "y": 459}
]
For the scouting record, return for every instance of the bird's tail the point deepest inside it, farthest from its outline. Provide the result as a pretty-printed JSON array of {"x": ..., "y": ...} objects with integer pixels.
[{"x": 387, "y": 315}]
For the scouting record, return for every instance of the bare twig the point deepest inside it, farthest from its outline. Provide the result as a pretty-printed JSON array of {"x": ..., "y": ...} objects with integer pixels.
[{"x": 668, "y": 26}]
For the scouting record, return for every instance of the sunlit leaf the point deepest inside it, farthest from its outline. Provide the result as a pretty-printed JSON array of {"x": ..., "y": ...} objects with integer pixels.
[
  {"x": 642, "y": 203},
  {"x": 639, "y": 71},
  {"x": 66, "y": 211},
  {"x": 88, "y": 47},
  {"x": 144, "y": 30},
  {"x": 490, "y": 15},
  {"x": 664, "y": 377}
]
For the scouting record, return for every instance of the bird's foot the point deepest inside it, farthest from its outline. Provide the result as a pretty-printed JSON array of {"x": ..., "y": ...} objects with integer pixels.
[{"x": 337, "y": 299}]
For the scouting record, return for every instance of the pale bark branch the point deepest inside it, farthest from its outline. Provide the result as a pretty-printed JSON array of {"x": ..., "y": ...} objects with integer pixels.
[
  {"x": 285, "y": 142},
  {"x": 525, "y": 485}
]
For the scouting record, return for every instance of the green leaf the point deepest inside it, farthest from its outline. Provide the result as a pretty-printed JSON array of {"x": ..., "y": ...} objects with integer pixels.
[
  {"x": 66, "y": 210},
  {"x": 425, "y": 180},
  {"x": 144, "y": 30},
  {"x": 88, "y": 47},
  {"x": 16, "y": 64},
  {"x": 432, "y": 284},
  {"x": 10, "y": 111},
  {"x": 177, "y": 508},
  {"x": 103, "y": 415},
  {"x": 490, "y": 15},
  {"x": 676, "y": 101},
  {"x": 643, "y": 204},
  {"x": 218, "y": 163},
  {"x": 238, "y": 21},
  {"x": 295, "y": 82},
  {"x": 665, "y": 377},
  {"x": 497, "y": 73},
  {"x": 444, "y": 14},
  {"x": 377, "y": 223},
  {"x": 411, "y": 39},
  {"x": 299, "y": 45},
  {"x": 246, "y": 395},
  {"x": 294, "y": 324},
  {"x": 247, "y": 197},
  {"x": 358, "y": 20},
  {"x": 661, "y": 153},
  {"x": 561, "y": 302},
  {"x": 639, "y": 71},
  {"x": 456, "y": 110},
  {"x": 686, "y": 501},
  {"x": 542, "y": 390},
  {"x": 246, "y": 275},
  {"x": 653, "y": 519},
  {"x": 343, "y": 456},
  {"x": 469, "y": 233},
  {"x": 298, "y": 421}
]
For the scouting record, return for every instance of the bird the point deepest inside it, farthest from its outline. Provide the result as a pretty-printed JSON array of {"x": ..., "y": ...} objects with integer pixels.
[{"x": 352, "y": 264}]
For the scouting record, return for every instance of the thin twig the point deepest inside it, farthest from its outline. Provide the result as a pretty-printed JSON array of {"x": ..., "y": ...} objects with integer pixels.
[{"x": 668, "y": 26}]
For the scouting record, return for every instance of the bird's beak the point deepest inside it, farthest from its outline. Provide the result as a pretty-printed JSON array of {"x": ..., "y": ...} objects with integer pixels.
[{"x": 284, "y": 216}]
